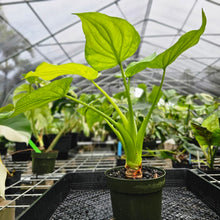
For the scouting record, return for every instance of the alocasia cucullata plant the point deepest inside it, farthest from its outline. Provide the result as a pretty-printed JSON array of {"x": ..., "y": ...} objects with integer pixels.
[{"x": 110, "y": 41}]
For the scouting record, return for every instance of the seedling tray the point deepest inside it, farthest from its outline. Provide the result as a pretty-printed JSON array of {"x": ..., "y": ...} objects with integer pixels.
[{"x": 186, "y": 195}]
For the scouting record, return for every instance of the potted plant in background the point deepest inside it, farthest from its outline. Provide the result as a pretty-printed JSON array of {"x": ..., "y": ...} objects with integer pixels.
[
  {"x": 177, "y": 110},
  {"x": 39, "y": 118},
  {"x": 110, "y": 41},
  {"x": 207, "y": 133},
  {"x": 59, "y": 129}
]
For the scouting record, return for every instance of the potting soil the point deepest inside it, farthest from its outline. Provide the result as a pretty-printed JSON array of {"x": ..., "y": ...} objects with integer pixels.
[{"x": 177, "y": 203}]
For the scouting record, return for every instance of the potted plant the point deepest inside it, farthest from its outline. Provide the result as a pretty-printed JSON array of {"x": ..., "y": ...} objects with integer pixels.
[
  {"x": 110, "y": 41},
  {"x": 40, "y": 117},
  {"x": 66, "y": 114},
  {"x": 207, "y": 133}
]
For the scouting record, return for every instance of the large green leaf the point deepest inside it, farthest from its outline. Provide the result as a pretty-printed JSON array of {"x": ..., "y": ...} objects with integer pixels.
[
  {"x": 51, "y": 92},
  {"x": 211, "y": 123},
  {"x": 48, "y": 71},
  {"x": 164, "y": 59},
  {"x": 216, "y": 137},
  {"x": 109, "y": 40},
  {"x": 193, "y": 149},
  {"x": 204, "y": 137},
  {"x": 16, "y": 129}
]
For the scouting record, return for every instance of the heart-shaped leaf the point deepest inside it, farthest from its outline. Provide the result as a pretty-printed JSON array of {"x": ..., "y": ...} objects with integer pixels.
[{"x": 109, "y": 40}]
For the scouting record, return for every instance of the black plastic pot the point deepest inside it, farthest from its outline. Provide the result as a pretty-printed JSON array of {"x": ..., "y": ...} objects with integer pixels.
[
  {"x": 10, "y": 180},
  {"x": 24, "y": 154},
  {"x": 134, "y": 199},
  {"x": 150, "y": 144},
  {"x": 183, "y": 164},
  {"x": 3, "y": 149},
  {"x": 120, "y": 161},
  {"x": 207, "y": 170},
  {"x": 74, "y": 139},
  {"x": 43, "y": 163},
  {"x": 62, "y": 146},
  {"x": 82, "y": 137}
]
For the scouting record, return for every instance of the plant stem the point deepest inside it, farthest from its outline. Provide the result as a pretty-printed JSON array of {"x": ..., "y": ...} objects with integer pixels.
[
  {"x": 146, "y": 120},
  {"x": 212, "y": 154},
  {"x": 116, "y": 127},
  {"x": 118, "y": 134},
  {"x": 56, "y": 139},
  {"x": 133, "y": 128},
  {"x": 93, "y": 108},
  {"x": 124, "y": 119}
]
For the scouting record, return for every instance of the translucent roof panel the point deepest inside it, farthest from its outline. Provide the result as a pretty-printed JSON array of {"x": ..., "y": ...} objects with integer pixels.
[{"x": 35, "y": 31}]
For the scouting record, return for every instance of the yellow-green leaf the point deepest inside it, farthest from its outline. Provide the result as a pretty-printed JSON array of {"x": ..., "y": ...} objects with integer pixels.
[
  {"x": 164, "y": 59},
  {"x": 51, "y": 92},
  {"x": 211, "y": 123},
  {"x": 49, "y": 71},
  {"x": 109, "y": 40}
]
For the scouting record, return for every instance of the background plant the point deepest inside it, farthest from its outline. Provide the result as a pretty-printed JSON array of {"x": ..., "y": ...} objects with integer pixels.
[{"x": 207, "y": 133}]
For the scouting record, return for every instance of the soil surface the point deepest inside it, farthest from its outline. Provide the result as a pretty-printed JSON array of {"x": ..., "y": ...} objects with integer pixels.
[{"x": 148, "y": 173}]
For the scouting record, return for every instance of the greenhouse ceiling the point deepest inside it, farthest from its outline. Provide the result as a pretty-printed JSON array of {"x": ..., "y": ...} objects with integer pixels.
[{"x": 39, "y": 30}]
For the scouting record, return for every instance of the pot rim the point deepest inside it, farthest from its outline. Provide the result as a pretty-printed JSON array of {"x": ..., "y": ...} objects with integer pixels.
[{"x": 135, "y": 180}]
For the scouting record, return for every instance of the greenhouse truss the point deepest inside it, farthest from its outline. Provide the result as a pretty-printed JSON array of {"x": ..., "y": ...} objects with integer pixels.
[{"x": 47, "y": 31}]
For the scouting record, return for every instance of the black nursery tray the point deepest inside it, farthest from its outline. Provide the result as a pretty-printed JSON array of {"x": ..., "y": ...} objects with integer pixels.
[{"x": 187, "y": 194}]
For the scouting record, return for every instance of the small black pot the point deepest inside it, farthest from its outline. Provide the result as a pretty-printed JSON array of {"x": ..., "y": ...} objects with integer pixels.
[
  {"x": 207, "y": 170},
  {"x": 150, "y": 144},
  {"x": 74, "y": 139},
  {"x": 82, "y": 137},
  {"x": 136, "y": 199},
  {"x": 12, "y": 180},
  {"x": 3, "y": 149},
  {"x": 120, "y": 161},
  {"x": 25, "y": 153},
  {"x": 62, "y": 146},
  {"x": 43, "y": 163},
  {"x": 183, "y": 164}
]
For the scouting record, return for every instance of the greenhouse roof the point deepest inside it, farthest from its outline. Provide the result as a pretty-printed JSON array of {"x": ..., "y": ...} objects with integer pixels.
[{"x": 46, "y": 30}]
